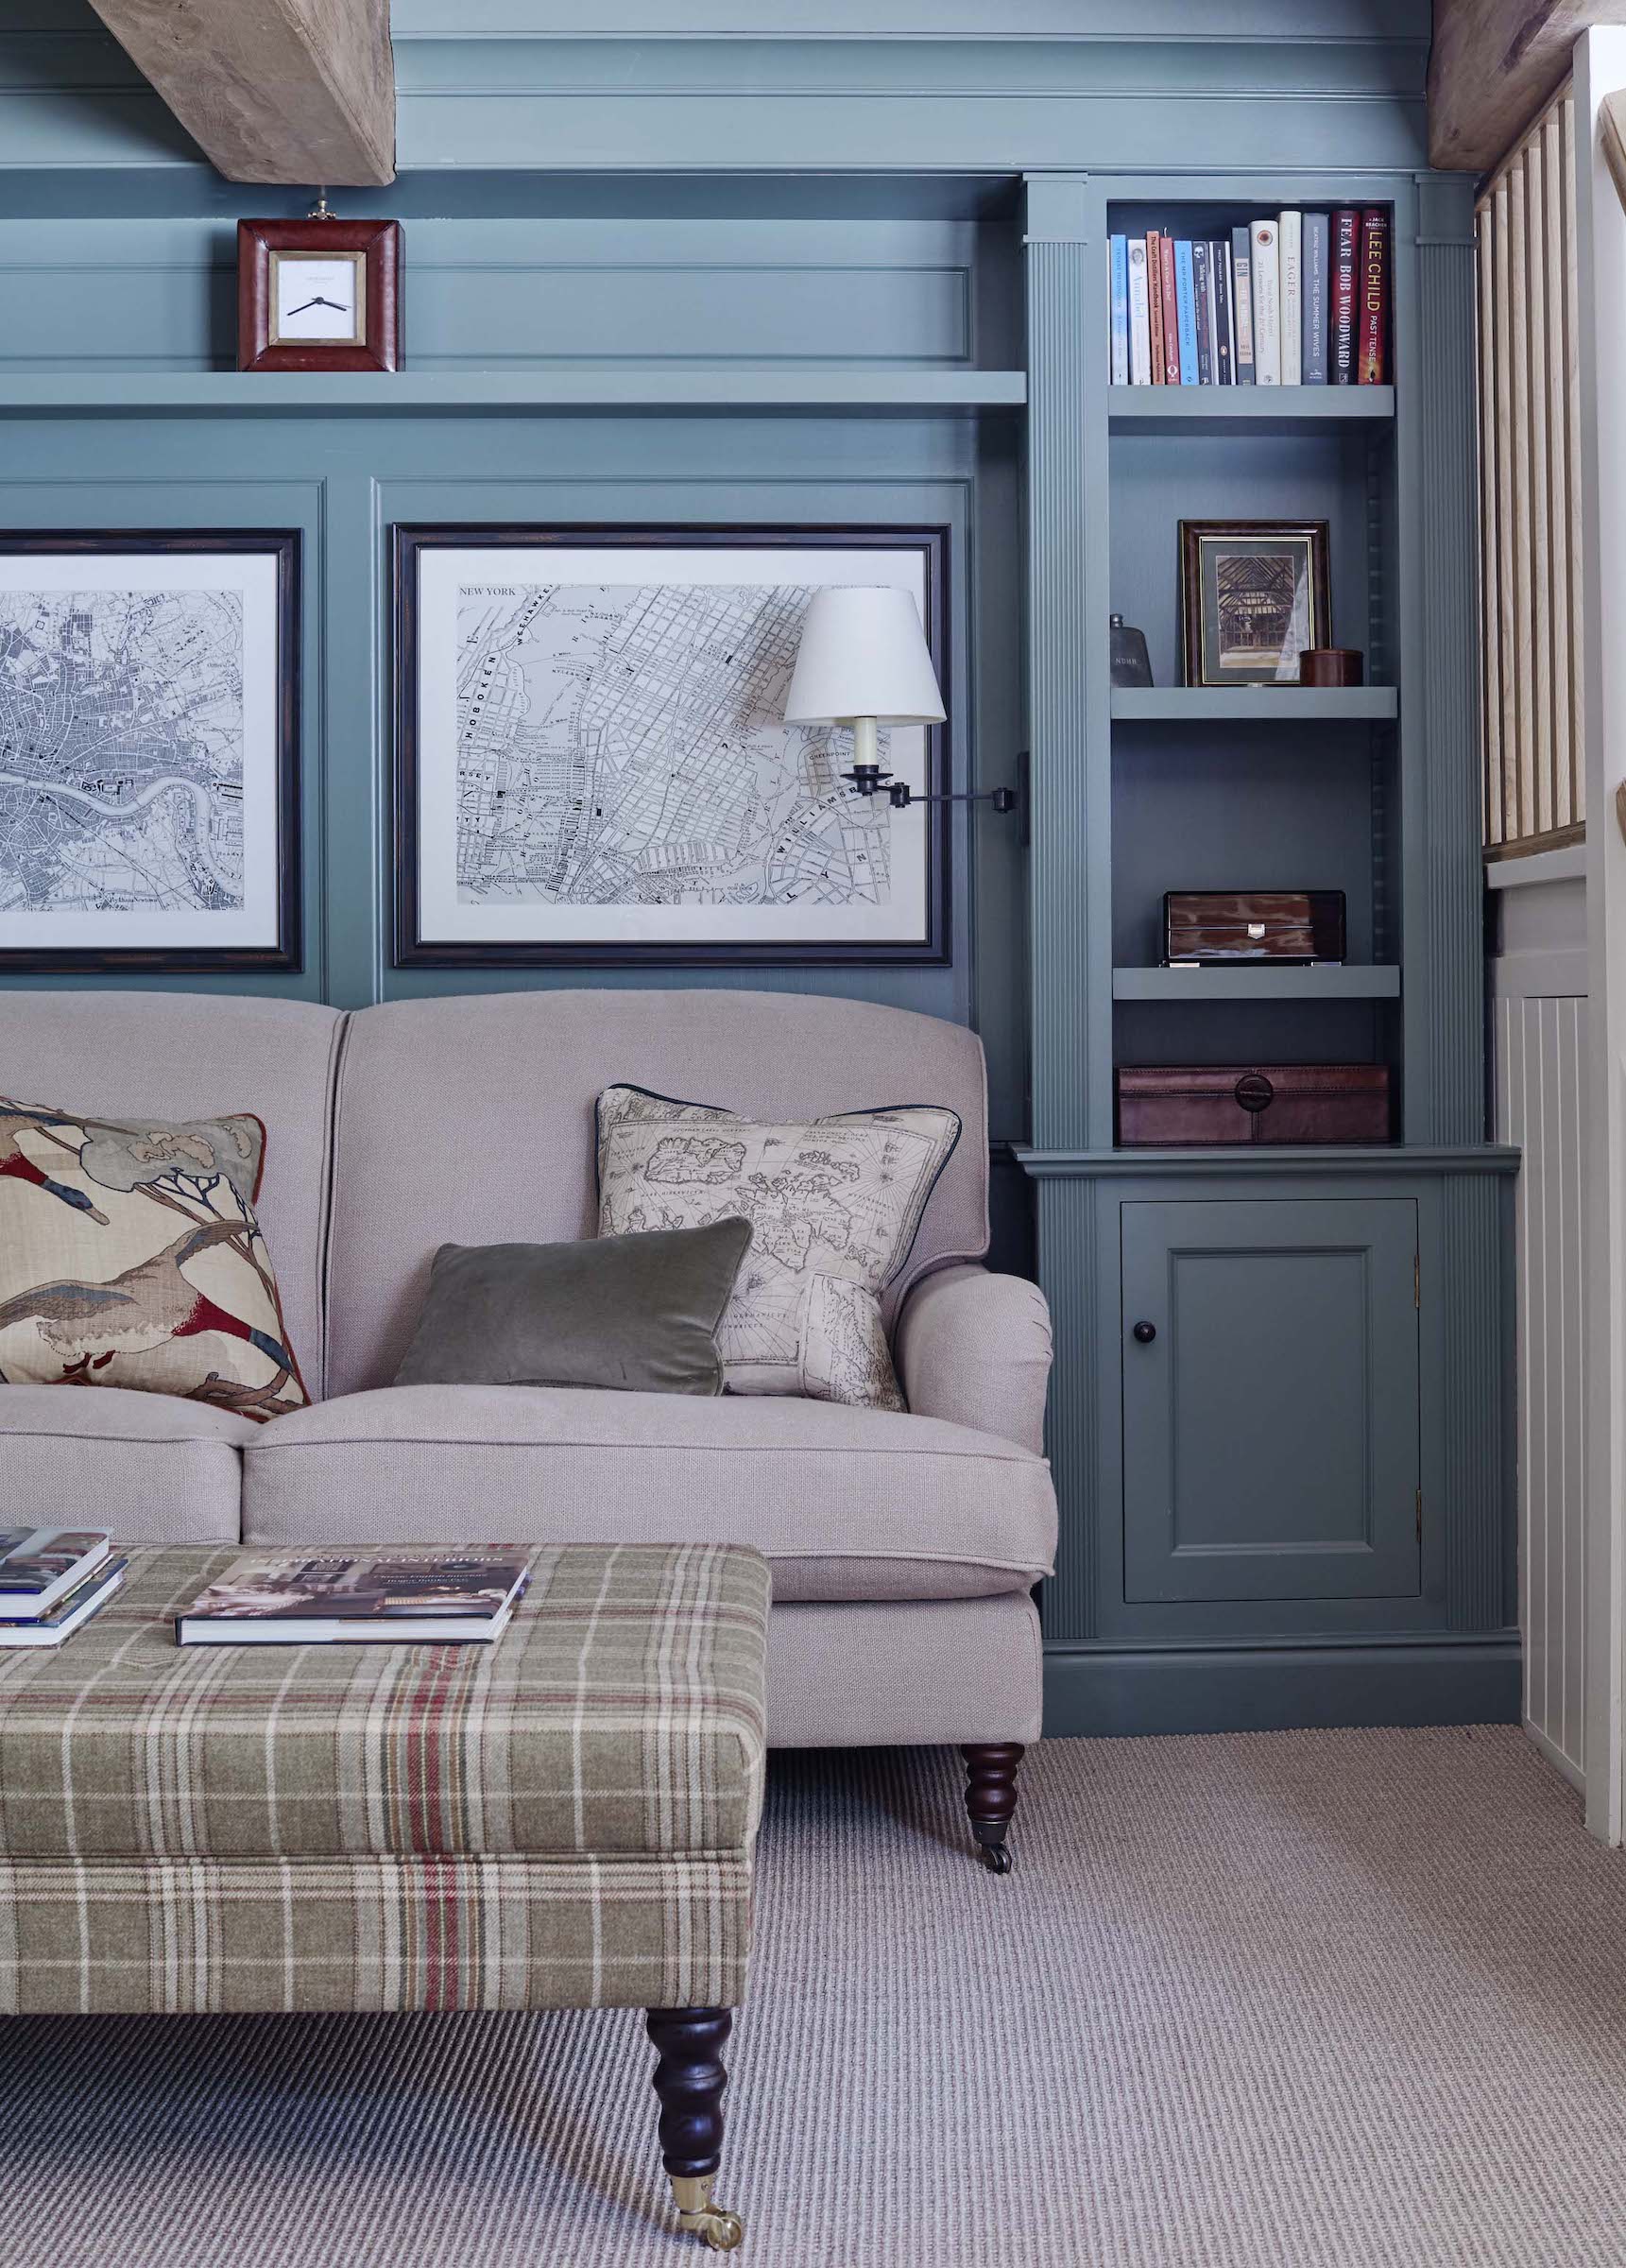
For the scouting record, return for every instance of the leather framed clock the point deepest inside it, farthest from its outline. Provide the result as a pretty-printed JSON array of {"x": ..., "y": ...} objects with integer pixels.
[{"x": 319, "y": 294}]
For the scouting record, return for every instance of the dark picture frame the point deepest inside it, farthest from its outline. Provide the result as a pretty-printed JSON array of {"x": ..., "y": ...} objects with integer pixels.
[
  {"x": 1244, "y": 585},
  {"x": 412, "y": 542},
  {"x": 283, "y": 953},
  {"x": 376, "y": 243}
]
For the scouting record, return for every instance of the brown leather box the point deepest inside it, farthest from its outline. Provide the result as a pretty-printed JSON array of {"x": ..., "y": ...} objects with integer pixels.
[
  {"x": 1253, "y": 925},
  {"x": 1205, "y": 1103}
]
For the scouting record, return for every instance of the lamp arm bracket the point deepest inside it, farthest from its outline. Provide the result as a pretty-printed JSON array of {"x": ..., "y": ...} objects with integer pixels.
[{"x": 868, "y": 780}]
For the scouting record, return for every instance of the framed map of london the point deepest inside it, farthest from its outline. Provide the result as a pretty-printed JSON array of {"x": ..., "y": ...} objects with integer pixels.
[
  {"x": 149, "y": 750},
  {"x": 592, "y": 764}
]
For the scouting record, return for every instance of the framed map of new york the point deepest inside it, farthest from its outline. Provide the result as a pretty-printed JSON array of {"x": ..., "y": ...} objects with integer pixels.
[
  {"x": 592, "y": 764},
  {"x": 149, "y": 750}
]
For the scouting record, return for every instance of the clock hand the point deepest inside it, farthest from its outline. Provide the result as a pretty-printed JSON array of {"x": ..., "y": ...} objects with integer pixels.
[{"x": 317, "y": 301}]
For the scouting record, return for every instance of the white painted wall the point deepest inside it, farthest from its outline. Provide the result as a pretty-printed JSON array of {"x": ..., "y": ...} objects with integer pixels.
[{"x": 1600, "y": 70}]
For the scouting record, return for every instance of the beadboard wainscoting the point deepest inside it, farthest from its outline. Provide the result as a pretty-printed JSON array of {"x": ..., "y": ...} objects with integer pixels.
[{"x": 1539, "y": 1052}]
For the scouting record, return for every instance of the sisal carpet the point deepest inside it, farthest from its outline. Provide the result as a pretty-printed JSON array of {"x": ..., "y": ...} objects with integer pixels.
[{"x": 1348, "y": 2000}]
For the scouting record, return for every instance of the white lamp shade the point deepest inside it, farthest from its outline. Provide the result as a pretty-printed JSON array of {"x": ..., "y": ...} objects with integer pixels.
[{"x": 862, "y": 654}]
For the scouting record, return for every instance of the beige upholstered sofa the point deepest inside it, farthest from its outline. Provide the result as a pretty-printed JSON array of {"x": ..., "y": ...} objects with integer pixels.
[{"x": 904, "y": 1548}]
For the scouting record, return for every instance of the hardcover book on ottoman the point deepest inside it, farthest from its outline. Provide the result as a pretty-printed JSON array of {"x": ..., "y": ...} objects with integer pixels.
[{"x": 386, "y": 1599}]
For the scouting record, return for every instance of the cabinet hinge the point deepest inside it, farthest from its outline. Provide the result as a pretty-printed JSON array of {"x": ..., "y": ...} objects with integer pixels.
[
  {"x": 1416, "y": 1280},
  {"x": 1419, "y": 1516}
]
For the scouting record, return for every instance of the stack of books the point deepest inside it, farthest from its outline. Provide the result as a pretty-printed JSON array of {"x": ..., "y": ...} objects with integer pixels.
[
  {"x": 52, "y": 1582},
  {"x": 345, "y": 1598},
  {"x": 1298, "y": 299}
]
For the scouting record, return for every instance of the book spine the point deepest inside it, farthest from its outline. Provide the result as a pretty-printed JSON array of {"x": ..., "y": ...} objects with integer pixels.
[
  {"x": 1267, "y": 305},
  {"x": 1154, "y": 295},
  {"x": 1312, "y": 371},
  {"x": 1186, "y": 312},
  {"x": 1120, "y": 248},
  {"x": 1341, "y": 311},
  {"x": 1170, "y": 313},
  {"x": 1140, "y": 316},
  {"x": 1289, "y": 255},
  {"x": 1203, "y": 293},
  {"x": 1241, "y": 283},
  {"x": 1372, "y": 345},
  {"x": 1224, "y": 339}
]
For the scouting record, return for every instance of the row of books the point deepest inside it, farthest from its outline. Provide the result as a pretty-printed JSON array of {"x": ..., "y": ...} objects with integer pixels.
[
  {"x": 1298, "y": 299},
  {"x": 55, "y": 1580}
]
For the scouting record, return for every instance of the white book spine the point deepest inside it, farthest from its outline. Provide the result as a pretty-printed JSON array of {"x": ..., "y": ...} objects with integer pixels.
[
  {"x": 1231, "y": 313},
  {"x": 1290, "y": 244},
  {"x": 1267, "y": 305},
  {"x": 1140, "y": 316}
]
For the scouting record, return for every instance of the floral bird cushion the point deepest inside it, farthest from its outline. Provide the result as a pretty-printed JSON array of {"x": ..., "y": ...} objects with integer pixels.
[
  {"x": 833, "y": 1203},
  {"x": 131, "y": 1256}
]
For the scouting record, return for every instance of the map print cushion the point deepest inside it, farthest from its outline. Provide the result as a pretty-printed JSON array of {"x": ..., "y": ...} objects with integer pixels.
[
  {"x": 131, "y": 1256},
  {"x": 833, "y": 1203}
]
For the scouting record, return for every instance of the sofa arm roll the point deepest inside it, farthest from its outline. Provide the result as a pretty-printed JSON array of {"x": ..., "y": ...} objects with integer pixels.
[{"x": 976, "y": 1349}]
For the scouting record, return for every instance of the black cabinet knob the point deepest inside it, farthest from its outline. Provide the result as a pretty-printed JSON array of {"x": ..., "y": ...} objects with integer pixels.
[{"x": 1145, "y": 1332}]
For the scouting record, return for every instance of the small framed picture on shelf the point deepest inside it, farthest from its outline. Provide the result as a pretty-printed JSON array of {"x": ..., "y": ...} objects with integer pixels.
[{"x": 1253, "y": 596}]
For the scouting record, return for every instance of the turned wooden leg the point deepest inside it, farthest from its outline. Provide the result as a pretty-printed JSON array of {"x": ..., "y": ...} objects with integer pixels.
[
  {"x": 690, "y": 2079},
  {"x": 991, "y": 1769}
]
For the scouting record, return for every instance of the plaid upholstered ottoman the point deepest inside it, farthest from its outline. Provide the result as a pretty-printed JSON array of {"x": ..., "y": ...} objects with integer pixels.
[{"x": 565, "y": 1819}]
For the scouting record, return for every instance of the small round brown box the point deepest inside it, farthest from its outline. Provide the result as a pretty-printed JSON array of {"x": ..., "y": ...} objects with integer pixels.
[{"x": 1330, "y": 665}]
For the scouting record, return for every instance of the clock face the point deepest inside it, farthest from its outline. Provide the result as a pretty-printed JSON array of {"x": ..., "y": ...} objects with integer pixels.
[{"x": 318, "y": 296}]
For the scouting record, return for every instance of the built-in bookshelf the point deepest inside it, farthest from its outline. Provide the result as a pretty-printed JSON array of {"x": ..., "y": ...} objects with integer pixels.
[
  {"x": 1267, "y": 787},
  {"x": 1220, "y": 1424}
]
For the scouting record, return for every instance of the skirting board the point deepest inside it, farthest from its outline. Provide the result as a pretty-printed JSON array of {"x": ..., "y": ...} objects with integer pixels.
[{"x": 1095, "y": 1689}]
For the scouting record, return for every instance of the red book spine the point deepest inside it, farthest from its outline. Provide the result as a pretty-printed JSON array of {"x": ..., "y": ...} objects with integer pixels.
[
  {"x": 1170, "y": 322},
  {"x": 1373, "y": 343},
  {"x": 1154, "y": 303},
  {"x": 1340, "y": 299}
]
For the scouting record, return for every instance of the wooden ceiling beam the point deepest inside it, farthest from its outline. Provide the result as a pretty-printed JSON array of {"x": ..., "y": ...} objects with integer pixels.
[
  {"x": 1495, "y": 63},
  {"x": 294, "y": 91}
]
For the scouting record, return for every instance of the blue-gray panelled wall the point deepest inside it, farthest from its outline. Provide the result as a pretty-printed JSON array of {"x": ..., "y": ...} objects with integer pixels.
[
  {"x": 875, "y": 238},
  {"x": 840, "y": 262}
]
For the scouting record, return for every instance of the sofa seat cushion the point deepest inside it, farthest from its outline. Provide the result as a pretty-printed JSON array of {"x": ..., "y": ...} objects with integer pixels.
[
  {"x": 150, "y": 1468},
  {"x": 846, "y": 1503}
]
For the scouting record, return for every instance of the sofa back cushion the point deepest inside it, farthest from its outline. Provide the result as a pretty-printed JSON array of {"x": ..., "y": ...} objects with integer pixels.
[
  {"x": 193, "y": 1055},
  {"x": 471, "y": 1121}
]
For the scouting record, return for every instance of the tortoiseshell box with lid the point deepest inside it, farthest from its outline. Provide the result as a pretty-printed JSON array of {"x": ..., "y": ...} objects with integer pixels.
[{"x": 1205, "y": 926}]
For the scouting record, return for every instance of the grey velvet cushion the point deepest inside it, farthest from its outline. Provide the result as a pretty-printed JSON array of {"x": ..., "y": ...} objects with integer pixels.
[{"x": 634, "y": 1312}]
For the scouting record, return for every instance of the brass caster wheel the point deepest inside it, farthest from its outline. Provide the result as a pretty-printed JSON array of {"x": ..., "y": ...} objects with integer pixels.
[
  {"x": 997, "y": 1857},
  {"x": 697, "y": 2216}
]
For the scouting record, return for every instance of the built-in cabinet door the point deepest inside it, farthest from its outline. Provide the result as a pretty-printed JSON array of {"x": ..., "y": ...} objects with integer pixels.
[{"x": 1270, "y": 1400}]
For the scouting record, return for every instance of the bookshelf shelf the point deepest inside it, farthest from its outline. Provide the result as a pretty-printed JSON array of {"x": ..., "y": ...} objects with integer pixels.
[
  {"x": 1254, "y": 705},
  {"x": 585, "y": 388},
  {"x": 1253, "y": 984},
  {"x": 1269, "y": 410}
]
